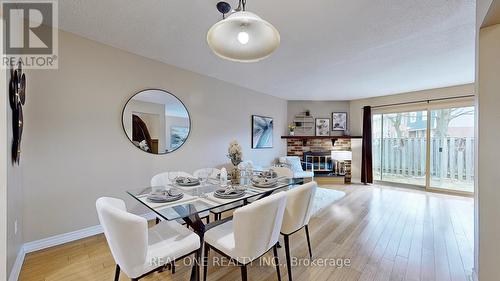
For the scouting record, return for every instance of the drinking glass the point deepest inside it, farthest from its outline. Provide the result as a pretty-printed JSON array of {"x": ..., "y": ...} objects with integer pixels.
[{"x": 171, "y": 177}]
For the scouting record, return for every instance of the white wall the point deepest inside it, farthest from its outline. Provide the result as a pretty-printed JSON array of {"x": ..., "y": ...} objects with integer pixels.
[
  {"x": 75, "y": 149},
  {"x": 488, "y": 191},
  {"x": 318, "y": 109},
  {"x": 14, "y": 195},
  {"x": 4, "y": 268}
]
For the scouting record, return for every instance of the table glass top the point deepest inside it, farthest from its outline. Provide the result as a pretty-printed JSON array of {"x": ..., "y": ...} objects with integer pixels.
[{"x": 200, "y": 198}]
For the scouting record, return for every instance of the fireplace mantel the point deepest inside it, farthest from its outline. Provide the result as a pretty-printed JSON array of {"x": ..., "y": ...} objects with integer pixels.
[
  {"x": 321, "y": 137},
  {"x": 332, "y": 138}
]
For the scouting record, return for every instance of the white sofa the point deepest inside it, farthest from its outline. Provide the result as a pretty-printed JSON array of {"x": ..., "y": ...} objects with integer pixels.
[{"x": 294, "y": 163}]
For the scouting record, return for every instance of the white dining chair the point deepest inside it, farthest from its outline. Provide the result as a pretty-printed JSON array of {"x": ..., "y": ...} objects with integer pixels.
[
  {"x": 163, "y": 179},
  {"x": 137, "y": 250},
  {"x": 299, "y": 204},
  {"x": 212, "y": 172},
  {"x": 252, "y": 232}
]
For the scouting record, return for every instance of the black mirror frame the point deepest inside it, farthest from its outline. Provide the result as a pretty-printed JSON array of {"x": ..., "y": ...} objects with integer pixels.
[{"x": 167, "y": 92}]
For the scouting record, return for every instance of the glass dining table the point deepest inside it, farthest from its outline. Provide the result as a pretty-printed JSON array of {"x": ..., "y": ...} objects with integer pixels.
[{"x": 199, "y": 199}]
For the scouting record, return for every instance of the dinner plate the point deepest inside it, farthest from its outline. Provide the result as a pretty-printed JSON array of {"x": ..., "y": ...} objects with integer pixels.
[
  {"x": 220, "y": 193},
  {"x": 155, "y": 198},
  {"x": 264, "y": 185},
  {"x": 190, "y": 182}
]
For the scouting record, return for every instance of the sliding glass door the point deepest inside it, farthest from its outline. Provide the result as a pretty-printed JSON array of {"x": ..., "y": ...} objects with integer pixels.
[
  {"x": 402, "y": 141},
  {"x": 452, "y": 149},
  {"x": 399, "y": 145}
]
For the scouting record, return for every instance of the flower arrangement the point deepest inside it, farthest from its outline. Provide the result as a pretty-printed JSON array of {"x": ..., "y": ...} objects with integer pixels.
[
  {"x": 234, "y": 153},
  {"x": 291, "y": 127}
]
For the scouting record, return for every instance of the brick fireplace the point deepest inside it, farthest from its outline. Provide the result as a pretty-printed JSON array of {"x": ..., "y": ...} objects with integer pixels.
[{"x": 301, "y": 146}]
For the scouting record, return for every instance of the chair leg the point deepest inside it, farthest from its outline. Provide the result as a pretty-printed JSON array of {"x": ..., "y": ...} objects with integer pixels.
[
  {"x": 288, "y": 260},
  {"x": 195, "y": 271},
  {"x": 205, "y": 261},
  {"x": 208, "y": 219},
  {"x": 172, "y": 265},
  {"x": 157, "y": 220},
  {"x": 277, "y": 261},
  {"x": 243, "y": 272},
  {"x": 117, "y": 273},
  {"x": 308, "y": 241}
]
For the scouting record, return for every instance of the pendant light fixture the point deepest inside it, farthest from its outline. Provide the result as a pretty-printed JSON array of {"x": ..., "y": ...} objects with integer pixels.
[{"x": 242, "y": 36}]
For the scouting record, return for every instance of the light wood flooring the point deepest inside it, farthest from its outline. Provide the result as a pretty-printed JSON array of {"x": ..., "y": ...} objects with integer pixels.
[{"x": 387, "y": 234}]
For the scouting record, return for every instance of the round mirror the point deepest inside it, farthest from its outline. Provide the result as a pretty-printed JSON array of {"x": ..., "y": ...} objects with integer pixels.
[{"x": 156, "y": 121}]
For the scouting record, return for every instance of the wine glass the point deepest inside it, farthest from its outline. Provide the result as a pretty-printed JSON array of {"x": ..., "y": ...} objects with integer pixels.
[
  {"x": 171, "y": 177},
  {"x": 203, "y": 177}
]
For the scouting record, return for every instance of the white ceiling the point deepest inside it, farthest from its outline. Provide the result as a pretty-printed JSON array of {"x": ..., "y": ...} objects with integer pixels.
[{"x": 330, "y": 49}]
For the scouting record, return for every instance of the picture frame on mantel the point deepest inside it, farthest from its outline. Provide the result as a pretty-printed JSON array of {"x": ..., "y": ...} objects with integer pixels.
[
  {"x": 339, "y": 121},
  {"x": 322, "y": 126}
]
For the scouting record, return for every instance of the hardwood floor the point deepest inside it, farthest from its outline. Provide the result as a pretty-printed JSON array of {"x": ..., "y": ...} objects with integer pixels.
[{"x": 387, "y": 234}]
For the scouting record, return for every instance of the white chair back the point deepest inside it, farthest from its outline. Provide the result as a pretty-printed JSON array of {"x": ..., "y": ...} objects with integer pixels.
[
  {"x": 212, "y": 172},
  {"x": 162, "y": 179},
  {"x": 283, "y": 172},
  {"x": 257, "y": 226},
  {"x": 126, "y": 233},
  {"x": 298, "y": 207}
]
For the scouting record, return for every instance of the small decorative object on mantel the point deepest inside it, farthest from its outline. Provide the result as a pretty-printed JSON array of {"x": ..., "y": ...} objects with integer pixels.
[
  {"x": 235, "y": 154},
  {"x": 291, "y": 129},
  {"x": 304, "y": 125},
  {"x": 17, "y": 98},
  {"x": 322, "y": 126},
  {"x": 339, "y": 121}
]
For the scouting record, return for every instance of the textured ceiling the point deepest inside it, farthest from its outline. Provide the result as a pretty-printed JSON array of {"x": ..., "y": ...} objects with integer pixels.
[{"x": 330, "y": 49}]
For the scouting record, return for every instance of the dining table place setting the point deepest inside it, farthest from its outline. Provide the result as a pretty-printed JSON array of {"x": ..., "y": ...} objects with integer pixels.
[
  {"x": 187, "y": 181},
  {"x": 164, "y": 195},
  {"x": 183, "y": 195},
  {"x": 266, "y": 179}
]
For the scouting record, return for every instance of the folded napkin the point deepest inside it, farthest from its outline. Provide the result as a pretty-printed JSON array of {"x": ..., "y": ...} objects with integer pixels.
[
  {"x": 229, "y": 193},
  {"x": 164, "y": 194},
  {"x": 186, "y": 180}
]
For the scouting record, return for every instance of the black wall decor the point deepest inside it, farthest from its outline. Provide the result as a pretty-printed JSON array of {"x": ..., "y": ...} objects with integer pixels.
[{"x": 17, "y": 98}]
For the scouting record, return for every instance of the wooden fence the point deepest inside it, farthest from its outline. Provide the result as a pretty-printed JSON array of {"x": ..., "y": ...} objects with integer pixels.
[{"x": 451, "y": 158}]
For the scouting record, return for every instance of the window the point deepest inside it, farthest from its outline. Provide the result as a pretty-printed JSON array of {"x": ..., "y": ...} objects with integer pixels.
[
  {"x": 400, "y": 148},
  {"x": 399, "y": 145},
  {"x": 452, "y": 149}
]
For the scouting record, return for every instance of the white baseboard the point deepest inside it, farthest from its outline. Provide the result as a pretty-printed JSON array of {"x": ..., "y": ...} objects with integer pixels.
[
  {"x": 18, "y": 264},
  {"x": 61, "y": 239},
  {"x": 57, "y": 240},
  {"x": 68, "y": 237}
]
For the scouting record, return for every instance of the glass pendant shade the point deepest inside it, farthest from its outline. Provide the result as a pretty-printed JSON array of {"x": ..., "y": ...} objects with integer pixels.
[{"x": 244, "y": 37}]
